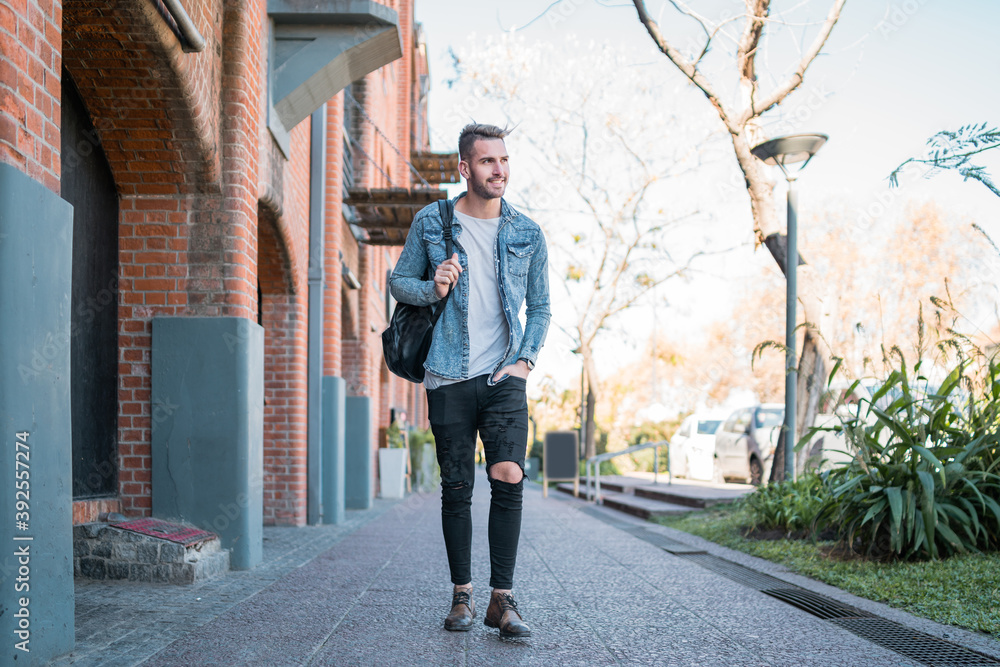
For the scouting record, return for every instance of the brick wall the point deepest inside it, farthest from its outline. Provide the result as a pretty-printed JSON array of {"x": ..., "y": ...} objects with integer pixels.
[
  {"x": 188, "y": 227},
  {"x": 30, "y": 76},
  {"x": 209, "y": 206},
  {"x": 284, "y": 316},
  {"x": 155, "y": 107},
  {"x": 152, "y": 255}
]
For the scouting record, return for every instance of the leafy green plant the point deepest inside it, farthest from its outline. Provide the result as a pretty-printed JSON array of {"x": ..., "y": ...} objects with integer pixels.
[
  {"x": 425, "y": 473},
  {"x": 923, "y": 482},
  {"x": 394, "y": 436},
  {"x": 790, "y": 506}
]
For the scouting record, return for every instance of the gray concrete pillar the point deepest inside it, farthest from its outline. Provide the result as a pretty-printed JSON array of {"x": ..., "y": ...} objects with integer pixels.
[
  {"x": 36, "y": 475},
  {"x": 358, "y": 467},
  {"x": 334, "y": 394},
  {"x": 208, "y": 429}
]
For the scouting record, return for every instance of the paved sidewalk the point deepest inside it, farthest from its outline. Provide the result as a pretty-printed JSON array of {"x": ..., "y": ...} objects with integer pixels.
[{"x": 377, "y": 590}]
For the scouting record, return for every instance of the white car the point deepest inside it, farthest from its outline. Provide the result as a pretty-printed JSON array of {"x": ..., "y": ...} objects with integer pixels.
[
  {"x": 745, "y": 443},
  {"x": 692, "y": 449}
]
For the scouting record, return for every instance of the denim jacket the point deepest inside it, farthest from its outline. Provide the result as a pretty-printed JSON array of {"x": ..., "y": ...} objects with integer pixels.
[{"x": 520, "y": 258}]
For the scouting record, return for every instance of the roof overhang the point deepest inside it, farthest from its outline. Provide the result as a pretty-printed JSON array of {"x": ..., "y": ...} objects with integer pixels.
[
  {"x": 386, "y": 214},
  {"x": 437, "y": 167},
  {"x": 318, "y": 47}
]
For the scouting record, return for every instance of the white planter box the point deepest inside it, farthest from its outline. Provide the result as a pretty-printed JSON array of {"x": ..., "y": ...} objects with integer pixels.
[{"x": 392, "y": 472}]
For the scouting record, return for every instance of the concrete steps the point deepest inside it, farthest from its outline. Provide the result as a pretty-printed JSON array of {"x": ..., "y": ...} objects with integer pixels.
[
  {"x": 102, "y": 551},
  {"x": 645, "y": 499},
  {"x": 627, "y": 502},
  {"x": 678, "y": 497},
  {"x": 644, "y": 508}
]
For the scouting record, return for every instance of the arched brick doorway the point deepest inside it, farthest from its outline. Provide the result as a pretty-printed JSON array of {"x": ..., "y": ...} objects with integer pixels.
[{"x": 283, "y": 314}]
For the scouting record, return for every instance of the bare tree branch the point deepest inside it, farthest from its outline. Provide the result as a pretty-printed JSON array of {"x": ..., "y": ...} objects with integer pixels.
[
  {"x": 746, "y": 52},
  {"x": 688, "y": 69},
  {"x": 708, "y": 42},
  {"x": 795, "y": 80}
]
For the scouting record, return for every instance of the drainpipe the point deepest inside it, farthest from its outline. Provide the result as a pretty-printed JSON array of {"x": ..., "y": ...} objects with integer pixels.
[
  {"x": 314, "y": 433},
  {"x": 195, "y": 42}
]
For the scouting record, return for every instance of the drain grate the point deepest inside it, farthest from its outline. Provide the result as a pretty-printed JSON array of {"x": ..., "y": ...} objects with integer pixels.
[
  {"x": 174, "y": 532},
  {"x": 918, "y": 646},
  {"x": 913, "y": 644},
  {"x": 816, "y": 604}
]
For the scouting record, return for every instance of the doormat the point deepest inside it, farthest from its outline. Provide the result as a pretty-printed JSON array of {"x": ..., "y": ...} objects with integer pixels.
[{"x": 165, "y": 530}]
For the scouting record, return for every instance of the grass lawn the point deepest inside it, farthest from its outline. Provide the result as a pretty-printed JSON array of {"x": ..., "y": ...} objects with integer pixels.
[{"x": 963, "y": 591}]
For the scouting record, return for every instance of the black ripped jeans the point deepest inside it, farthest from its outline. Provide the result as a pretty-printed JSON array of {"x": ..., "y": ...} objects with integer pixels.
[{"x": 500, "y": 415}]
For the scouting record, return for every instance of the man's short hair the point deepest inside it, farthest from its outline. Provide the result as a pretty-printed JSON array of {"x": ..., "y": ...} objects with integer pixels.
[{"x": 475, "y": 131}]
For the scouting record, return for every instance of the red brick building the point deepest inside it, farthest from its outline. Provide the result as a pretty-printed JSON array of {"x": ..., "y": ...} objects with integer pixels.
[{"x": 249, "y": 167}]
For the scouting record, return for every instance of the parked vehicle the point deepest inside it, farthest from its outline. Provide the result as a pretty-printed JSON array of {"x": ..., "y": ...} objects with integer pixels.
[
  {"x": 692, "y": 449},
  {"x": 746, "y": 442}
]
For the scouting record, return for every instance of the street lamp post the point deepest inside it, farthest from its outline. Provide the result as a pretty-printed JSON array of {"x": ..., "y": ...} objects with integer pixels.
[{"x": 784, "y": 151}]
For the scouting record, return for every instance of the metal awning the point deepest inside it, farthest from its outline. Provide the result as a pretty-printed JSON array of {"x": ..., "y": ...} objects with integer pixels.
[
  {"x": 387, "y": 213},
  {"x": 318, "y": 47},
  {"x": 437, "y": 167}
]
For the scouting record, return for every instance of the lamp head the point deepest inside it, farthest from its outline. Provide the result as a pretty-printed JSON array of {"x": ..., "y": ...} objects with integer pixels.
[{"x": 789, "y": 149}]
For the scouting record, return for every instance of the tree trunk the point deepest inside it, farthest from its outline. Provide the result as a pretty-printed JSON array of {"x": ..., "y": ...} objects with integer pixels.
[
  {"x": 778, "y": 461},
  {"x": 809, "y": 386},
  {"x": 811, "y": 383},
  {"x": 591, "y": 394}
]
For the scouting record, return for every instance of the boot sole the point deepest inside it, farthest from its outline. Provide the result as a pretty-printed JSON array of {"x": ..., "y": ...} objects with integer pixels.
[
  {"x": 506, "y": 635},
  {"x": 465, "y": 629}
]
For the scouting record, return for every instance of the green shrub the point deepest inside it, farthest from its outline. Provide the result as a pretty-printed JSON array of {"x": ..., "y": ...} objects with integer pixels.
[
  {"x": 924, "y": 481},
  {"x": 605, "y": 468},
  {"x": 791, "y": 507},
  {"x": 644, "y": 460},
  {"x": 425, "y": 473}
]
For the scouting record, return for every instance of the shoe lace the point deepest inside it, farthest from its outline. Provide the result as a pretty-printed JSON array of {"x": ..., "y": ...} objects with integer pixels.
[
  {"x": 461, "y": 597},
  {"x": 507, "y": 602}
]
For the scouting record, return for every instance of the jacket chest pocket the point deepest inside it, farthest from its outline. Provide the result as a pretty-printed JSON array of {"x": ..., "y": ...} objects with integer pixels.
[
  {"x": 518, "y": 258},
  {"x": 434, "y": 242}
]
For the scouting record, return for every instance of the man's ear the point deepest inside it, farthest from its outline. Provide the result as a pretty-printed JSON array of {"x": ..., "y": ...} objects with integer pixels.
[{"x": 463, "y": 169}]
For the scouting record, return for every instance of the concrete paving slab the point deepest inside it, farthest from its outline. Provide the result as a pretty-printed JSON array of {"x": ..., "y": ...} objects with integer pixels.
[{"x": 593, "y": 593}]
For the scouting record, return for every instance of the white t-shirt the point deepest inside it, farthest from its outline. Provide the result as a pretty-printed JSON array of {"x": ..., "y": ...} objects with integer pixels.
[{"x": 488, "y": 330}]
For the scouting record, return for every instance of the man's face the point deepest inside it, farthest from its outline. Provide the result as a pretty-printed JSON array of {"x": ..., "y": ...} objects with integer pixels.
[{"x": 487, "y": 170}]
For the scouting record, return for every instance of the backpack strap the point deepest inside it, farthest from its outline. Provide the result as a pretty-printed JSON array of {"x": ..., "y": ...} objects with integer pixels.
[{"x": 447, "y": 210}]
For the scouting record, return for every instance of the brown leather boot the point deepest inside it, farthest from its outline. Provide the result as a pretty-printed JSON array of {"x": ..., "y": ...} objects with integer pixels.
[
  {"x": 502, "y": 613},
  {"x": 463, "y": 610}
]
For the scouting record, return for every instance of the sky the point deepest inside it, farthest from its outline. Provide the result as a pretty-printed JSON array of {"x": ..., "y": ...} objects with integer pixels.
[{"x": 891, "y": 75}]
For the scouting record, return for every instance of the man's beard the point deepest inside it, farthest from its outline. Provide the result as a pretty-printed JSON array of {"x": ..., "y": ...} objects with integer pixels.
[{"x": 482, "y": 190}]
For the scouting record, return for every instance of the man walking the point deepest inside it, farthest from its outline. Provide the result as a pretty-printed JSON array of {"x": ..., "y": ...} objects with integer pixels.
[{"x": 479, "y": 360}]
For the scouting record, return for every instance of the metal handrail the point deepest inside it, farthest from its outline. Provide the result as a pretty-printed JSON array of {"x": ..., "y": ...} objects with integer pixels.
[{"x": 595, "y": 460}]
